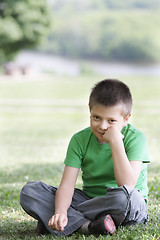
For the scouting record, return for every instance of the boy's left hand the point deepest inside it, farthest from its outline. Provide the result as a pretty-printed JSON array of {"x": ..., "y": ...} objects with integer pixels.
[{"x": 113, "y": 133}]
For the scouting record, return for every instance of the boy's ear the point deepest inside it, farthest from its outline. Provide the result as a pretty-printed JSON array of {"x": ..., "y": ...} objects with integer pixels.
[{"x": 126, "y": 119}]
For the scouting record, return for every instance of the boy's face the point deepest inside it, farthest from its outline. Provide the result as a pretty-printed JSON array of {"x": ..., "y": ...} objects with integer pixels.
[{"x": 102, "y": 118}]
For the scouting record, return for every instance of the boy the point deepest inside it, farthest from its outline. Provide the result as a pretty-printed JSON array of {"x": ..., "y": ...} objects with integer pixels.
[{"x": 113, "y": 157}]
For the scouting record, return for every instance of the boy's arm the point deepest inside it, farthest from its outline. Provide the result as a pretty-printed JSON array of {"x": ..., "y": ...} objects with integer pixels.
[
  {"x": 63, "y": 198},
  {"x": 125, "y": 171}
]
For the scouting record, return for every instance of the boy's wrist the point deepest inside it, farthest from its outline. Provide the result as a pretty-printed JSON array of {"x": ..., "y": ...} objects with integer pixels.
[{"x": 61, "y": 212}]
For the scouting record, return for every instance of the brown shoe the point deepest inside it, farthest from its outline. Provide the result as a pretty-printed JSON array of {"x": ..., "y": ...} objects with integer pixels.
[{"x": 41, "y": 230}]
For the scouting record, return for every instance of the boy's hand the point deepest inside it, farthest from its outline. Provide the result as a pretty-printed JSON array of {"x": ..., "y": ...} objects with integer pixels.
[
  {"x": 113, "y": 133},
  {"x": 58, "y": 222}
]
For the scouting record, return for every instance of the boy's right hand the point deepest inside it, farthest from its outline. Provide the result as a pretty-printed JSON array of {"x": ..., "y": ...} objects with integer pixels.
[{"x": 58, "y": 222}]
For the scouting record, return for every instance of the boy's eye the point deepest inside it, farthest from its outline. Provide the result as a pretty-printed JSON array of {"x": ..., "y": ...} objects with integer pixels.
[
  {"x": 96, "y": 117},
  {"x": 112, "y": 121}
]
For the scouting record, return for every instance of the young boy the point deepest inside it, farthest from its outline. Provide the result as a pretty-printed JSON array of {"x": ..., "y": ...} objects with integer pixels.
[{"x": 113, "y": 157}]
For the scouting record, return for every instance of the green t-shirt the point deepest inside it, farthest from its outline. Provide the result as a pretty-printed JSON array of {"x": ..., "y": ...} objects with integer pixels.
[{"x": 95, "y": 159}]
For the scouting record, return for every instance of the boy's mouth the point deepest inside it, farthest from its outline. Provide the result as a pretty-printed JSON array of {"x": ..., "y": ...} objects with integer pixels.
[{"x": 101, "y": 133}]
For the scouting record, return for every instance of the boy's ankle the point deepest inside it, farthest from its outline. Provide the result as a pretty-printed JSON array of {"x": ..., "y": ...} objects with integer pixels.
[{"x": 84, "y": 228}]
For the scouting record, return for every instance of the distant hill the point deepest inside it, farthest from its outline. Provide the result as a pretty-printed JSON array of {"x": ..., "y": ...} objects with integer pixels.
[{"x": 106, "y": 29}]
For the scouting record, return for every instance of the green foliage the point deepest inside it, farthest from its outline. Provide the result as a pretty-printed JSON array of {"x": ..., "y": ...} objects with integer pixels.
[
  {"x": 23, "y": 24},
  {"x": 105, "y": 30}
]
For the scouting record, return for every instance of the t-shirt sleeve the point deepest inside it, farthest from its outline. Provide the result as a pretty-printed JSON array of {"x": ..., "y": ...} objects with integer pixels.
[
  {"x": 74, "y": 154},
  {"x": 137, "y": 148}
]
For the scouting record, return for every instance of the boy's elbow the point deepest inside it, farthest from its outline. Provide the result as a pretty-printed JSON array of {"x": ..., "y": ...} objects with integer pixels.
[{"x": 131, "y": 184}]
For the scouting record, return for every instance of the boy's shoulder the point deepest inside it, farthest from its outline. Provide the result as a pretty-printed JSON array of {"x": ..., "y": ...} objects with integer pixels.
[
  {"x": 84, "y": 132},
  {"x": 131, "y": 132},
  {"x": 80, "y": 140},
  {"x": 135, "y": 144},
  {"x": 83, "y": 135},
  {"x": 131, "y": 128}
]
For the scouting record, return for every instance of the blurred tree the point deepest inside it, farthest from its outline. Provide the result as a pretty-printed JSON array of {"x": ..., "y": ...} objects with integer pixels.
[{"x": 23, "y": 25}]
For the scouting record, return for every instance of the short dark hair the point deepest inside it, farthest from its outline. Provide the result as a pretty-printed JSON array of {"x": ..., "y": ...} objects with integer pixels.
[{"x": 111, "y": 92}]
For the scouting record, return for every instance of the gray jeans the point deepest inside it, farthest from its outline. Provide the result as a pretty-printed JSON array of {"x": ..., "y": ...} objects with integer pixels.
[{"x": 125, "y": 204}]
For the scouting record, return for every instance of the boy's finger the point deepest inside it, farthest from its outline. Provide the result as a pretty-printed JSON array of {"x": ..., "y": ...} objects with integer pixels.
[
  {"x": 53, "y": 222},
  {"x": 60, "y": 224}
]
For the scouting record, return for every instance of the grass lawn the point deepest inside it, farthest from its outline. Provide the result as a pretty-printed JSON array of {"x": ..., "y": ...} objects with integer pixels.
[{"x": 38, "y": 115}]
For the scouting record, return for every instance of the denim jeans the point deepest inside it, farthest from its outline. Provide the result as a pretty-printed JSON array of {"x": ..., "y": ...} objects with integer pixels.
[{"x": 125, "y": 204}]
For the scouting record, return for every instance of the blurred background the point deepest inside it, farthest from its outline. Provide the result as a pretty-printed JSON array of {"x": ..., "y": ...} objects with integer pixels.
[
  {"x": 52, "y": 53},
  {"x": 72, "y": 37}
]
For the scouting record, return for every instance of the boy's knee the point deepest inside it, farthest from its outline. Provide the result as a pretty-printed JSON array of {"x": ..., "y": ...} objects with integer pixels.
[
  {"x": 118, "y": 197},
  {"x": 35, "y": 192},
  {"x": 133, "y": 207},
  {"x": 127, "y": 204},
  {"x": 137, "y": 209},
  {"x": 27, "y": 192}
]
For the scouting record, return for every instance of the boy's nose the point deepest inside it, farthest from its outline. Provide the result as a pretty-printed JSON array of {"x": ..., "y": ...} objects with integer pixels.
[{"x": 104, "y": 125}]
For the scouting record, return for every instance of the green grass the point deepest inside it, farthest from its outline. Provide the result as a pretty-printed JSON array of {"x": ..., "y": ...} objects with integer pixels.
[{"x": 37, "y": 119}]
